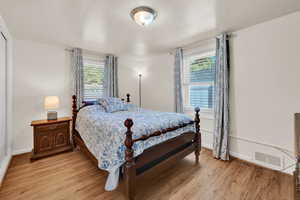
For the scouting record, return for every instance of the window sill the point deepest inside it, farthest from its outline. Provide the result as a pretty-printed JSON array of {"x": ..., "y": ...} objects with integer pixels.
[
  {"x": 204, "y": 113},
  {"x": 203, "y": 110}
]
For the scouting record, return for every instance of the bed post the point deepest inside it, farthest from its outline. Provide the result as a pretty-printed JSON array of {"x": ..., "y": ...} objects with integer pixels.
[
  {"x": 128, "y": 98},
  {"x": 197, "y": 135},
  {"x": 74, "y": 115},
  {"x": 129, "y": 167}
]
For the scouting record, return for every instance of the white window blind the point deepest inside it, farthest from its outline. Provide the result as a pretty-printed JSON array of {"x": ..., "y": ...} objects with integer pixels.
[
  {"x": 93, "y": 79},
  {"x": 198, "y": 81}
]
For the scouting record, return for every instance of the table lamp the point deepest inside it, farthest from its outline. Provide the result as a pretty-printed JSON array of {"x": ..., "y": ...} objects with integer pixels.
[{"x": 51, "y": 103}]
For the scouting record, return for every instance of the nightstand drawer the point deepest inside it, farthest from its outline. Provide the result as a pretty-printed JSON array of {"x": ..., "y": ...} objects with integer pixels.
[{"x": 52, "y": 127}]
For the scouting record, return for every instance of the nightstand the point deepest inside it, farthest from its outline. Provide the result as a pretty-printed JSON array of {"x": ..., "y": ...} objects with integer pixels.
[{"x": 51, "y": 137}]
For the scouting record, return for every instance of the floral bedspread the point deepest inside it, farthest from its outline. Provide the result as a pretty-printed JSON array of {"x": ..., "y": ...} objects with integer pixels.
[{"x": 104, "y": 134}]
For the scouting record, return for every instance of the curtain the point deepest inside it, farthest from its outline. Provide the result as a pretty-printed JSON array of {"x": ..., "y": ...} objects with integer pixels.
[
  {"x": 221, "y": 112},
  {"x": 111, "y": 76},
  {"x": 77, "y": 66},
  {"x": 178, "y": 82}
]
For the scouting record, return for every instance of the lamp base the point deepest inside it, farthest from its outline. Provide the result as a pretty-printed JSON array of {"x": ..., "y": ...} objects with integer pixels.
[{"x": 51, "y": 115}]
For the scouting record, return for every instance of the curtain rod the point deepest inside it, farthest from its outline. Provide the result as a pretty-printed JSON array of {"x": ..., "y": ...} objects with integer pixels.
[
  {"x": 198, "y": 43},
  {"x": 86, "y": 51},
  {"x": 69, "y": 50}
]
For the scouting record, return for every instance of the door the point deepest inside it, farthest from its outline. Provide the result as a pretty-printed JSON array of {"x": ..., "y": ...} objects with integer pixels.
[
  {"x": 61, "y": 138},
  {"x": 44, "y": 141},
  {"x": 3, "y": 97}
]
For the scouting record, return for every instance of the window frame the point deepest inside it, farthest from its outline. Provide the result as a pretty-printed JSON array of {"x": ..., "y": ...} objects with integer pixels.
[
  {"x": 186, "y": 85},
  {"x": 92, "y": 61}
]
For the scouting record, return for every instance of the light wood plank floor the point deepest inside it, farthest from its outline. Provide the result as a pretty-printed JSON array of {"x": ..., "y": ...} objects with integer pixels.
[{"x": 73, "y": 176}]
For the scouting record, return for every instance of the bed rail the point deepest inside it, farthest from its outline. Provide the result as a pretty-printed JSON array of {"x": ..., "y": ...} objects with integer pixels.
[
  {"x": 158, "y": 133},
  {"x": 129, "y": 141}
]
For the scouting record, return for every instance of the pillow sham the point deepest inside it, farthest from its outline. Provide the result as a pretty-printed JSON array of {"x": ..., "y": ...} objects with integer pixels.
[
  {"x": 112, "y": 104},
  {"x": 116, "y": 107},
  {"x": 104, "y": 101},
  {"x": 131, "y": 107}
]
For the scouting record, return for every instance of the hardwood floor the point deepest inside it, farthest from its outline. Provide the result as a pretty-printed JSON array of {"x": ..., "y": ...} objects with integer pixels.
[{"x": 72, "y": 176}]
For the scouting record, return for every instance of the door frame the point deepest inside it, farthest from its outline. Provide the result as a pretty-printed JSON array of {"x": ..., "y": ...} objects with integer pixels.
[
  {"x": 9, "y": 93},
  {"x": 6, "y": 82}
]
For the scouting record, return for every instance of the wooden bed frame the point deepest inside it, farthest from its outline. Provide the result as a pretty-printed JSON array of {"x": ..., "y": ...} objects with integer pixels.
[{"x": 167, "y": 151}]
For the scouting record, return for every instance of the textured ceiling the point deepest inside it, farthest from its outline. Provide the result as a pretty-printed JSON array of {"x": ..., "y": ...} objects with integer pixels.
[{"x": 105, "y": 25}]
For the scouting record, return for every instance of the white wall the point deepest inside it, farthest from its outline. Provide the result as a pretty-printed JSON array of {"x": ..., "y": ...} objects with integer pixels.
[
  {"x": 157, "y": 80},
  {"x": 39, "y": 70},
  {"x": 265, "y": 82},
  {"x": 5, "y": 162}
]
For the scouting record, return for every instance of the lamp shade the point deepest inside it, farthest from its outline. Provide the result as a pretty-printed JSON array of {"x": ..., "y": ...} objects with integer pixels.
[{"x": 51, "y": 102}]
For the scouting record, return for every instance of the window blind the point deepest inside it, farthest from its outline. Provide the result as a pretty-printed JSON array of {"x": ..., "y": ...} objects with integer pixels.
[
  {"x": 93, "y": 79},
  {"x": 201, "y": 96}
]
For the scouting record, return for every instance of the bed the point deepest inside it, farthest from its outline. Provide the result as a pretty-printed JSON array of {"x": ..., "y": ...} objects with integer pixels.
[{"x": 128, "y": 143}]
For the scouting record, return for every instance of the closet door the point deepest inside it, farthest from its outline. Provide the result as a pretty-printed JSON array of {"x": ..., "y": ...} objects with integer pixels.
[{"x": 3, "y": 95}]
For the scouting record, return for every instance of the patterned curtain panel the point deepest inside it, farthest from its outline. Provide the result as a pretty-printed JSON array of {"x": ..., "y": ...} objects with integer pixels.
[
  {"x": 178, "y": 82},
  {"x": 111, "y": 76},
  {"x": 221, "y": 128},
  {"x": 77, "y": 66}
]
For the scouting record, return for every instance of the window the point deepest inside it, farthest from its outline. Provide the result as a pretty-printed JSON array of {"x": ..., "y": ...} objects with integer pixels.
[
  {"x": 198, "y": 81},
  {"x": 93, "y": 79}
]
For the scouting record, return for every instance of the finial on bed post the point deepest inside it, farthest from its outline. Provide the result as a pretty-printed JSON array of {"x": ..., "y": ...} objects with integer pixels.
[
  {"x": 197, "y": 138},
  {"x": 129, "y": 168},
  {"x": 128, "y": 98},
  {"x": 74, "y": 115}
]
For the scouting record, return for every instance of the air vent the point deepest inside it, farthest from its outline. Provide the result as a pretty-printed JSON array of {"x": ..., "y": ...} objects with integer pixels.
[{"x": 268, "y": 159}]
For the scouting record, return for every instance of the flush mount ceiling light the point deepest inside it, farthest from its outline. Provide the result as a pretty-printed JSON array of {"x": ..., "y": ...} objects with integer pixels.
[{"x": 143, "y": 15}]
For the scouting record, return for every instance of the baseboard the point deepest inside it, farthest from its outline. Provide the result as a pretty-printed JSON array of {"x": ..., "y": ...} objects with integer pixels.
[
  {"x": 207, "y": 146},
  {"x": 3, "y": 167},
  {"x": 257, "y": 163},
  {"x": 238, "y": 150},
  {"x": 21, "y": 151},
  {"x": 241, "y": 156},
  {"x": 249, "y": 159}
]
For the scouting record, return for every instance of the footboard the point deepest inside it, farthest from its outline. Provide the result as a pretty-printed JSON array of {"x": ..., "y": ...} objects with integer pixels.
[{"x": 170, "y": 150}]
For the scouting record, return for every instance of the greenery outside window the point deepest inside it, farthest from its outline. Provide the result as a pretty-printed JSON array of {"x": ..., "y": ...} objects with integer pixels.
[{"x": 93, "y": 79}]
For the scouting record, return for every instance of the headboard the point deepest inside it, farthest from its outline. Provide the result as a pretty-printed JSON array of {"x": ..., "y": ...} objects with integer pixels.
[{"x": 89, "y": 103}]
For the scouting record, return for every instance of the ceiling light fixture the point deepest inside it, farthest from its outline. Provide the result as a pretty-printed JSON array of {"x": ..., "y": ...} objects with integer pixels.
[{"x": 143, "y": 15}]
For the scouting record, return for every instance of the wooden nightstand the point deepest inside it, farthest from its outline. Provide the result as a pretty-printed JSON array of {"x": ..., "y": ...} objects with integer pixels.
[{"x": 51, "y": 137}]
